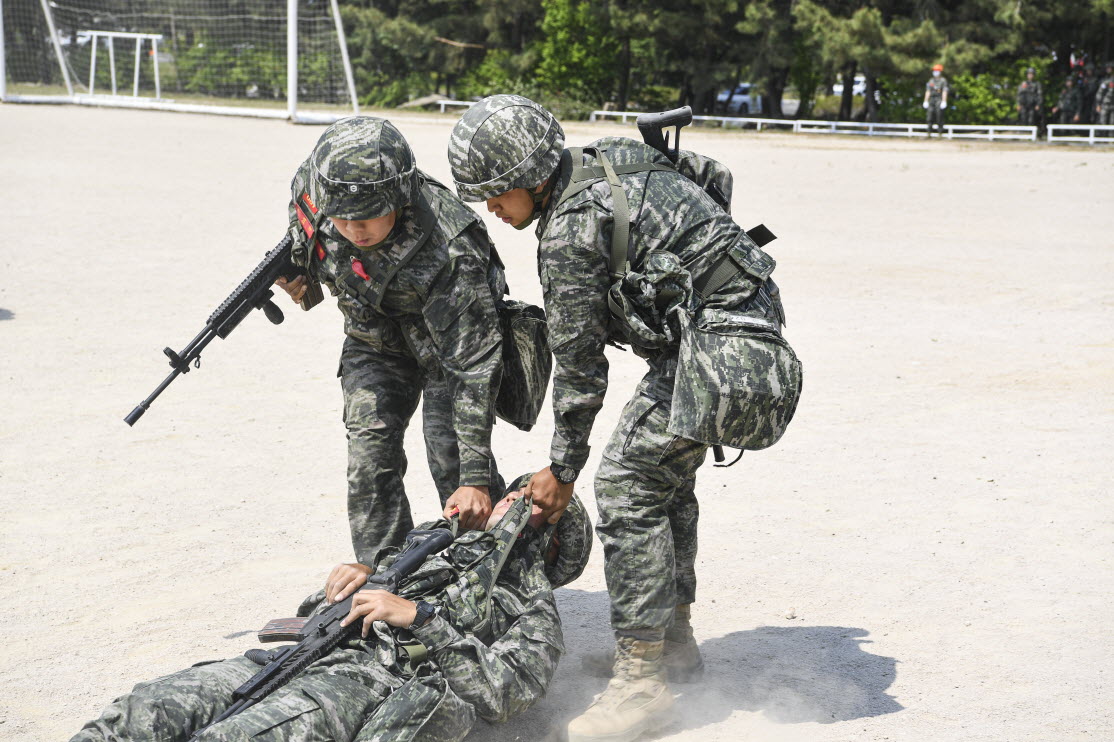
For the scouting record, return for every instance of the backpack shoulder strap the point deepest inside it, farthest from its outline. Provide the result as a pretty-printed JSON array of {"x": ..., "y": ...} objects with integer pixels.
[{"x": 584, "y": 177}]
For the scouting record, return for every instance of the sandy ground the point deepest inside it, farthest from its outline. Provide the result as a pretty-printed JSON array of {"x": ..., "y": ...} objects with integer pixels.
[{"x": 926, "y": 555}]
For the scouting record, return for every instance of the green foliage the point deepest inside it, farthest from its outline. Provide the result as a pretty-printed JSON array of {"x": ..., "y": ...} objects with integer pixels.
[
  {"x": 578, "y": 51},
  {"x": 655, "y": 98}
]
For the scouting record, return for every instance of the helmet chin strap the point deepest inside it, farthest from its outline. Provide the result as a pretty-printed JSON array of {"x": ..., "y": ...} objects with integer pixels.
[{"x": 539, "y": 198}]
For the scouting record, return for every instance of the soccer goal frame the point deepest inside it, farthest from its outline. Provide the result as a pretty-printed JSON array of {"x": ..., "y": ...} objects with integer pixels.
[{"x": 115, "y": 99}]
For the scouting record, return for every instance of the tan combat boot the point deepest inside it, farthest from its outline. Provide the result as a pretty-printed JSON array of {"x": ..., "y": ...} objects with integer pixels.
[
  {"x": 636, "y": 700},
  {"x": 683, "y": 662}
]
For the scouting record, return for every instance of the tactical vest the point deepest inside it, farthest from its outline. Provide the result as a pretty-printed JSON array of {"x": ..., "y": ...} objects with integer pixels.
[
  {"x": 363, "y": 275},
  {"x": 461, "y": 581}
]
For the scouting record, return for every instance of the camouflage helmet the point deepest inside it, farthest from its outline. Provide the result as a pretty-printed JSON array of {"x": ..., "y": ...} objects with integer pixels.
[
  {"x": 502, "y": 143},
  {"x": 362, "y": 168},
  {"x": 573, "y": 534}
]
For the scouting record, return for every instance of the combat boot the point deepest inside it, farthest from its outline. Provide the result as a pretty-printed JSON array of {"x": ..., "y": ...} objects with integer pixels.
[
  {"x": 683, "y": 663},
  {"x": 636, "y": 699}
]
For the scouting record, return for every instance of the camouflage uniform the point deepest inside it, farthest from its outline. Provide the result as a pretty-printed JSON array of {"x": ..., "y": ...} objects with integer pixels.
[
  {"x": 1069, "y": 103},
  {"x": 1030, "y": 97},
  {"x": 1104, "y": 102},
  {"x": 419, "y": 313},
  {"x": 936, "y": 87},
  {"x": 645, "y": 483},
  {"x": 368, "y": 689}
]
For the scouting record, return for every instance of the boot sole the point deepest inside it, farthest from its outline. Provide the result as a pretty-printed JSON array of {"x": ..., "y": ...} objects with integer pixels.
[{"x": 651, "y": 723}]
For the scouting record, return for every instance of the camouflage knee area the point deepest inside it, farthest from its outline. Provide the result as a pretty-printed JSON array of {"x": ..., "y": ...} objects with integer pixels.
[
  {"x": 644, "y": 470},
  {"x": 170, "y": 707},
  {"x": 332, "y": 700},
  {"x": 381, "y": 393},
  {"x": 425, "y": 709}
]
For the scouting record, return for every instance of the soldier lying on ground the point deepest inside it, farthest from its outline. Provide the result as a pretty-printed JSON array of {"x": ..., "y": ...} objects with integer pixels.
[{"x": 386, "y": 685}]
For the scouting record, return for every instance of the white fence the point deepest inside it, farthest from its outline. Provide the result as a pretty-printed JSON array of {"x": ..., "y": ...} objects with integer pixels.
[
  {"x": 805, "y": 126},
  {"x": 1080, "y": 134}
]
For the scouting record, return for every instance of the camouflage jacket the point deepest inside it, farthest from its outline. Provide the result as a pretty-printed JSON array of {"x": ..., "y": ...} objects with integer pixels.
[
  {"x": 936, "y": 87},
  {"x": 428, "y": 292},
  {"x": 1070, "y": 100},
  {"x": 499, "y": 667},
  {"x": 1030, "y": 94},
  {"x": 1104, "y": 97},
  {"x": 668, "y": 212}
]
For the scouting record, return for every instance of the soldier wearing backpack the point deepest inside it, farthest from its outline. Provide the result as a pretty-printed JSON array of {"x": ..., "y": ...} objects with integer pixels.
[{"x": 631, "y": 251}]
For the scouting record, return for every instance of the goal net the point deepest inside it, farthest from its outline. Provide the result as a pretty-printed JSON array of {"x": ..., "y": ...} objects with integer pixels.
[{"x": 252, "y": 57}]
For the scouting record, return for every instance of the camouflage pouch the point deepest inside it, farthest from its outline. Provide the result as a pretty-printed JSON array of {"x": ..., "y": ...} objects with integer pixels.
[
  {"x": 738, "y": 381},
  {"x": 642, "y": 301},
  {"x": 527, "y": 363}
]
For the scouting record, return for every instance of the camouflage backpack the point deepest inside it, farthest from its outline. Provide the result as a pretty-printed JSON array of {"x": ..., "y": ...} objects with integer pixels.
[{"x": 738, "y": 380}]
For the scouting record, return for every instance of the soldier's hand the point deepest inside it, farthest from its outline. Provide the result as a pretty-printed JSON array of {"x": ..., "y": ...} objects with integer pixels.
[
  {"x": 925, "y": 104},
  {"x": 473, "y": 504},
  {"x": 380, "y": 605},
  {"x": 943, "y": 104},
  {"x": 344, "y": 580},
  {"x": 296, "y": 288},
  {"x": 549, "y": 494}
]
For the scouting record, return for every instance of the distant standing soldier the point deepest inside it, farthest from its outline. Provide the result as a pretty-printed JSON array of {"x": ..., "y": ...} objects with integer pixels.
[
  {"x": 936, "y": 98},
  {"x": 416, "y": 279},
  {"x": 1104, "y": 99},
  {"x": 1030, "y": 98},
  {"x": 1088, "y": 88},
  {"x": 1067, "y": 107}
]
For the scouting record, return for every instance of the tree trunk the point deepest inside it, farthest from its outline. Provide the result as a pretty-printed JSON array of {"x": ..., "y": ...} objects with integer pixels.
[
  {"x": 846, "y": 102},
  {"x": 871, "y": 102},
  {"x": 624, "y": 75},
  {"x": 775, "y": 91}
]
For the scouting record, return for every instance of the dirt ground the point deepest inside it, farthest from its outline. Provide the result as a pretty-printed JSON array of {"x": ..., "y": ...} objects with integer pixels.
[{"x": 927, "y": 555}]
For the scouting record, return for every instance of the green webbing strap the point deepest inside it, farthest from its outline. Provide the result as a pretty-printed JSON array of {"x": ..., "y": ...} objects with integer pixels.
[
  {"x": 583, "y": 178},
  {"x": 725, "y": 268}
]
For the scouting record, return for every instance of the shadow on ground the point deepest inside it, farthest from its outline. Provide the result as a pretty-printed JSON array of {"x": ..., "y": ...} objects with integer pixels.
[
  {"x": 790, "y": 674},
  {"x": 6, "y": 314}
]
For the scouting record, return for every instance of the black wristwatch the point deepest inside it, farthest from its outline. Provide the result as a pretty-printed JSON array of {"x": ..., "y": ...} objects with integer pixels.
[
  {"x": 564, "y": 474},
  {"x": 425, "y": 612}
]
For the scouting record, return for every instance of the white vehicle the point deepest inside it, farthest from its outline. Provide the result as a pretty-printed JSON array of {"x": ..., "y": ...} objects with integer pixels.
[
  {"x": 739, "y": 101},
  {"x": 857, "y": 88}
]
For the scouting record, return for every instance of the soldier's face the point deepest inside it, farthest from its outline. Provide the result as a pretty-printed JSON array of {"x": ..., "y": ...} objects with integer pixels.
[
  {"x": 504, "y": 505},
  {"x": 365, "y": 232},
  {"x": 513, "y": 207}
]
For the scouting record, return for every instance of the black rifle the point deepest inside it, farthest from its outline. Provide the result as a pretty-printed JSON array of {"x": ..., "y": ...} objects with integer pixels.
[
  {"x": 650, "y": 125},
  {"x": 254, "y": 292},
  {"x": 320, "y": 634}
]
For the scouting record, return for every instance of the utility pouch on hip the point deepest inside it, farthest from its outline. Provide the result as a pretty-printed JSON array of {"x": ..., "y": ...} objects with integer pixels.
[
  {"x": 527, "y": 363},
  {"x": 738, "y": 381}
]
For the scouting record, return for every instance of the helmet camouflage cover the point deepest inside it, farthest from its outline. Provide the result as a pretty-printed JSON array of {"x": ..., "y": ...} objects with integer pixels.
[
  {"x": 502, "y": 143},
  {"x": 573, "y": 534},
  {"x": 362, "y": 168}
]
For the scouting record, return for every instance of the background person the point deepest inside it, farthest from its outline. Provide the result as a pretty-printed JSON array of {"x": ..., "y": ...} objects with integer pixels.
[
  {"x": 1030, "y": 98},
  {"x": 936, "y": 99}
]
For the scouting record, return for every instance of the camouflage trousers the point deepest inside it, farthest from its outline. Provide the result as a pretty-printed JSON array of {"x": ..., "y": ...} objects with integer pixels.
[
  {"x": 1105, "y": 117},
  {"x": 648, "y": 513},
  {"x": 345, "y": 696},
  {"x": 381, "y": 393},
  {"x": 935, "y": 115},
  {"x": 1028, "y": 116}
]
